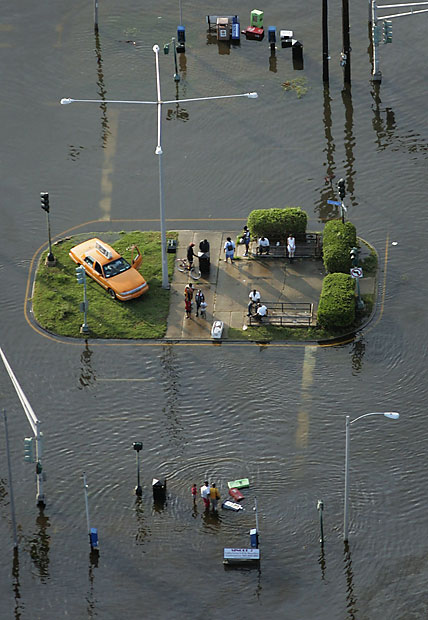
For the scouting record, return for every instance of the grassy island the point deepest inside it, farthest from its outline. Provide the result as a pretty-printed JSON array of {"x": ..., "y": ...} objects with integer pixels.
[{"x": 57, "y": 295}]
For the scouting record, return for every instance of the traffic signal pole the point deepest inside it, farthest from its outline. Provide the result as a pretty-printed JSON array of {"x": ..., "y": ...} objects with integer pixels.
[
  {"x": 44, "y": 203},
  {"x": 35, "y": 425}
]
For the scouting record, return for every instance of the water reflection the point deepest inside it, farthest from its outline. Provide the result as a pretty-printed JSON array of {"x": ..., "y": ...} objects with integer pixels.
[
  {"x": 105, "y": 130},
  {"x": 91, "y": 600},
  {"x": 357, "y": 354},
  {"x": 16, "y": 586},
  {"x": 179, "y": 113},
  {"x": 349, "y": 143},
  {"x": 211, "y": 520},
  {"x": 273, "y": 60},
  {"x": 87, "y": 376},
  {"x": 326, "y": 211},
  {"x": 351, "y": 601},
  {"x": 143, "y": 531},
  {"x": 39, "y": 546},
  {"x": 169, "y": 364},
  {"x": 322, "y": 562}
]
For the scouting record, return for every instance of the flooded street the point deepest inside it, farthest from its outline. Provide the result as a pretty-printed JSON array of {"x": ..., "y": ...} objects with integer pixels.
[{"x": 274, "y": 414}]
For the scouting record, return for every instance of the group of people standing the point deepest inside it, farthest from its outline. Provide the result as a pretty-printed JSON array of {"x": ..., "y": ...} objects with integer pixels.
[
  {"x": 201, "y": 304},
  {"x": 209, "y": 495}
]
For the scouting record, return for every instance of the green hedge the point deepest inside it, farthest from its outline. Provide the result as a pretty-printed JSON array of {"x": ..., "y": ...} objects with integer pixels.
[
  {"x": 338, "y": 239},
  {"x": 335, "y": 230},
  {"x": 277, "y": 224},
  {"x": 336, "y": 309}
]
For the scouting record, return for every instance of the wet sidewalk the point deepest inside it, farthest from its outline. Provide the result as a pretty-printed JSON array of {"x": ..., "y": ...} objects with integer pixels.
[{"x": 226, "y": 287}]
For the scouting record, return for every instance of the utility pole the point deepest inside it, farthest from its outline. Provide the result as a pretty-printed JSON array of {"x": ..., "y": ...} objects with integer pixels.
[
  {"x": 325, "y": 56},
  {"x": 346, "y": 53}
]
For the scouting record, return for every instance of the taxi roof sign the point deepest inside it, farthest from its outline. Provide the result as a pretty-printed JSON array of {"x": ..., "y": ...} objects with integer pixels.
[{"x": 103, "y": 250}]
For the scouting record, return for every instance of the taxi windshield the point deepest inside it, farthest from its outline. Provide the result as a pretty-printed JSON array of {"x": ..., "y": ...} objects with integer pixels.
[{"x": 116, "y": 266}]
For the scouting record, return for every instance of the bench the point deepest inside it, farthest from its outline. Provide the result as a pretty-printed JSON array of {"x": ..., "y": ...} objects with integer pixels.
[
  {"x": 285, "y": 314},
  {"x": 307, "y": 246}
]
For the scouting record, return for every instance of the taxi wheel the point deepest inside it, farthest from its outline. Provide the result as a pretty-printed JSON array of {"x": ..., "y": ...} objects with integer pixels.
[{"x": 111, "y": 293}]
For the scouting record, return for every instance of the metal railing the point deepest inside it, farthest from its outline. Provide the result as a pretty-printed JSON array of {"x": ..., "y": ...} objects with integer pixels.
[{"x": 286, "y": 314}]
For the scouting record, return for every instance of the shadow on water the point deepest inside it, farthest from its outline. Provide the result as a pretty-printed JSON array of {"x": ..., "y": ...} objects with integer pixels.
[
  {"x": 87, "y": 376},
  {"x": 351, "y": 601},
  {"x": 38, "y": 546}
]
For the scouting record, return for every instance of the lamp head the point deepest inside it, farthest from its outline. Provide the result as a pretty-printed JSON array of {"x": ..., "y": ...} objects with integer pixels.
[
  {"x": 252, "y": 95},
  {"x": 393, "y": 415},
  {"x": 66, "y": 101}
]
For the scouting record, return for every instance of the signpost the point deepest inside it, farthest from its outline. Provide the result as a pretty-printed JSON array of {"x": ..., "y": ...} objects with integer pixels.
[
  {"x": 336, "y": 203},
  {"x": 357, "y": 273}
]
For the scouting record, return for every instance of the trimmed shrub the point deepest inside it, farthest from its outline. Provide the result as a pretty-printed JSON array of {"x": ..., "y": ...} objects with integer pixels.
[
  {"x": 335, "y": 230},
  {"x": 276, "y": 224},
  {"x": 336, "y": 309},
  {"x": 338, "y": 239}
]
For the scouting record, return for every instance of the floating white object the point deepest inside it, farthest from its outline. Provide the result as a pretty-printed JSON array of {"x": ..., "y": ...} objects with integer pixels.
[
  {"x": 227, "y": 505},
  {"x": 217, "y": 329}
]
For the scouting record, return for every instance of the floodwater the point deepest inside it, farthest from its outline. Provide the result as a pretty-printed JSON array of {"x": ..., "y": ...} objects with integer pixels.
[{"x": 273, "y": 414}]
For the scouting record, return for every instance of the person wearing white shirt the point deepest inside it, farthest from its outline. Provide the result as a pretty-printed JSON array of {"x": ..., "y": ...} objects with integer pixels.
[
  {"x": 254, "y": 299},
  {"x": 291, "y": 247},
  {"x": 261, "y": 312},
  {"x": 229, "y": 249},
  {"x": 264, "y": 245},
  {"x": 205, "y": 494}
]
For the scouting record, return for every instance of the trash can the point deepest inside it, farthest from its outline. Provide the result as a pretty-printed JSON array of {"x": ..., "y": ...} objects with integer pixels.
[
  {"x": 159, "y": 490},
  {"x": 204, "y": 262},
  {"x": 204, "y": 256}
]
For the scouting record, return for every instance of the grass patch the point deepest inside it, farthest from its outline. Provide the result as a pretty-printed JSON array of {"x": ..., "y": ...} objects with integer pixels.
[
  {"x": 57, "y": 294},
  {"x": 269, "y": 333},
  {"x": 369, "y": 264}
]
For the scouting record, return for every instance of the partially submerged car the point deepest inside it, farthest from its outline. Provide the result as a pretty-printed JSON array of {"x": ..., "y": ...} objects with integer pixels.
[{"x": 107, "y": 267}]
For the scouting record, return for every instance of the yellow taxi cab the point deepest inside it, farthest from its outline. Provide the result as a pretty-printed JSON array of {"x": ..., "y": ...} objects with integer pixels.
[{"x": 107, "y": 267}]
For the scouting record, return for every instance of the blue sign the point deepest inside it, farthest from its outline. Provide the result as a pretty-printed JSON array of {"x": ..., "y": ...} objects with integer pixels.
[{"x": 334, "y": 202}]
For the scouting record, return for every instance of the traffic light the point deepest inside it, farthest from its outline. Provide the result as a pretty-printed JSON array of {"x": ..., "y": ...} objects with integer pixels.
[
  {"x": 354, "y": 257},
  {"x": 44, "y": 200},
  {"x": 80, "y": 274},
  {"x": 341, "y": 188},
  {"x": 377, "y": 31},
  {"x": 29, "y": 455},
  {"x": 387, "y": 31}
]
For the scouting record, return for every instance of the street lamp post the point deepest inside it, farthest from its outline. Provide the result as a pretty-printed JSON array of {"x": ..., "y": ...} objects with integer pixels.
[
  {"x": 158, "y": 150},
  {"x": 393, "y": 415},
  {"x": 138, "y": 445}
]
